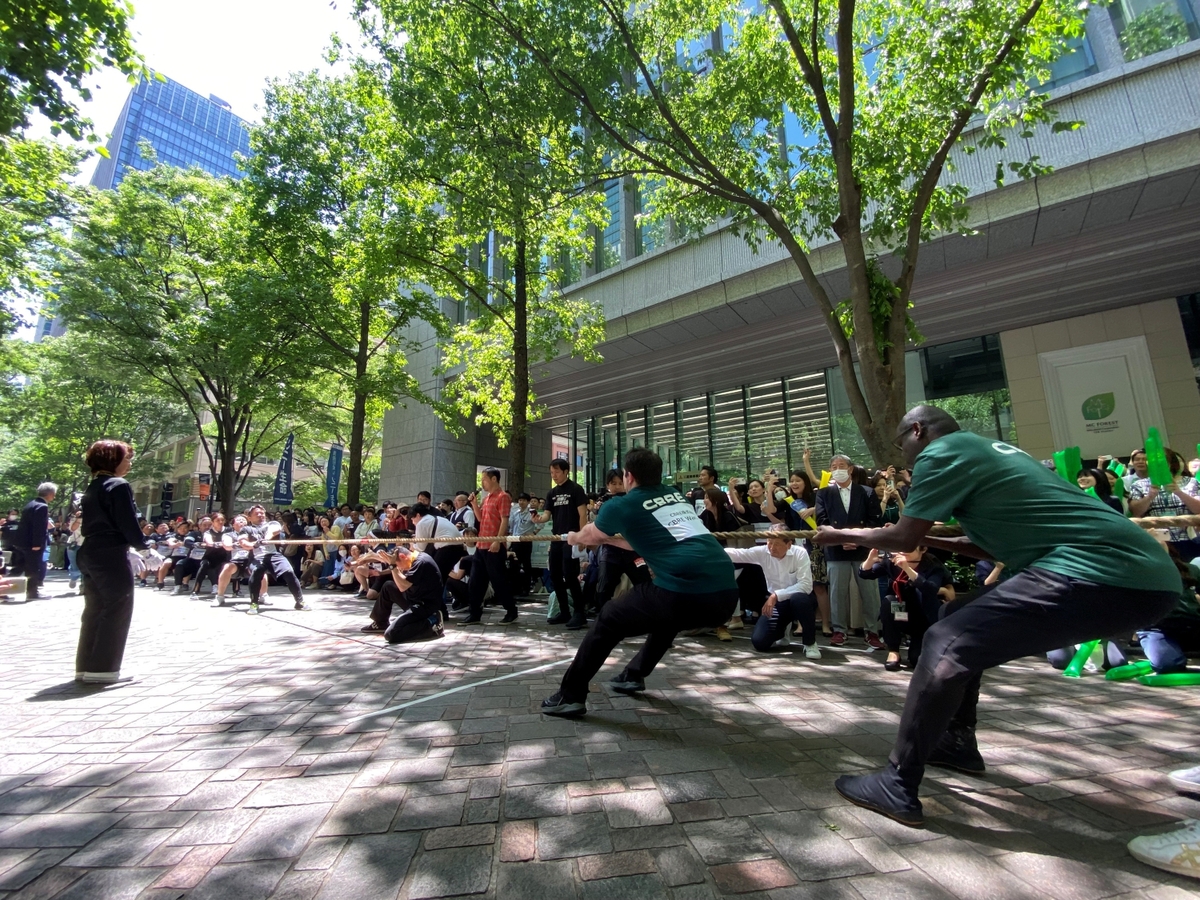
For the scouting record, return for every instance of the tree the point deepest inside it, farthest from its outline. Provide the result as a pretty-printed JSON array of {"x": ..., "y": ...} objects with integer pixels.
[
  {"x": 330, "y": 210},
  {"x": 70, "y": 395},
  {"x": 161, "y": 272},
  {"x": 872, "y": 94},
  {"x": 516, "y": 192},
  {"x": 46, "y": 45}
]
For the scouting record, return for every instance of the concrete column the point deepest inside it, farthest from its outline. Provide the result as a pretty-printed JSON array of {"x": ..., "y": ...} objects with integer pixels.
[
  {"x": 628, "y": 209},
  {"x": 1102, "y": 35}
]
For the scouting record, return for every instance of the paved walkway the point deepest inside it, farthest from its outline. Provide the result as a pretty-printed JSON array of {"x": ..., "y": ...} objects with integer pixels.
[{"x": 240, "y": 765}]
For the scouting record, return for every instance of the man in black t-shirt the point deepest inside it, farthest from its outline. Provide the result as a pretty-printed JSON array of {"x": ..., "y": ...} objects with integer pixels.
[
  {"x": 705, "y": 479},
  {"x": 566, "y": 507},
  {"x": 416, "y": 586}
]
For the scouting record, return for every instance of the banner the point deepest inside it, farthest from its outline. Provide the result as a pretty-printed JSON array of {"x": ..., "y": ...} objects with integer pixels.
[
  {"x": 283, "y": 478},
  {"x": 333, "y": 476}
]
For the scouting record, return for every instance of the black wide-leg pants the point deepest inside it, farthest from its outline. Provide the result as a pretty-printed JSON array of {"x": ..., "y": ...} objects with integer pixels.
[{"x": 107, "y": 608}]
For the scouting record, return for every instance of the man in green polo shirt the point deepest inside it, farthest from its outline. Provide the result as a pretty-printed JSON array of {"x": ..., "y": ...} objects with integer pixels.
[
  {"x": 1081, "y": 571},
  {"x": 692, "y": 587}
]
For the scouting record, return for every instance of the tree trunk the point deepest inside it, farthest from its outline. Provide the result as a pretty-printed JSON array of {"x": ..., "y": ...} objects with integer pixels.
[
  {"x": 359, "y": 422},
  {"x": 226, "y": 448},
  {"x": 520, "y": 410}
]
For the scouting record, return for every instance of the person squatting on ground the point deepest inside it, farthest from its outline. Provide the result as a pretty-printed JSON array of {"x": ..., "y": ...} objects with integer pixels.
[
  {"x": 110, "y": 530},
  {"x": 692, "y": 585},
  {"x": 269, "y": 561},
  {"x": 1079, "y": 572},
  {"x": 788, "y": 578},
  {"x": 416, "y": 587},
  {"x": 917, "y": 586},
  {"x": 29, "y": 540},
  {"x": 566, "y": 509}
]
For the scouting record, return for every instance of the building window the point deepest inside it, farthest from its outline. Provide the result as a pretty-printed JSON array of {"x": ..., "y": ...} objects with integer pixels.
[
  {"x": 1076, "y": 62},
  {"x": 608, "y": 247},
  {"x": 1149, "y": 26}
]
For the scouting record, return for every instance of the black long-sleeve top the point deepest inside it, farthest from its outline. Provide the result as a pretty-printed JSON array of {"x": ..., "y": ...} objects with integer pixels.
[{"x": 109, "y": 515}]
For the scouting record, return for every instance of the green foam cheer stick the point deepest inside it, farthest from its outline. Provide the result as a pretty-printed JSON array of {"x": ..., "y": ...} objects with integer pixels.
[
  {"x": 1074, "y": 668},
  {"x": 1171, "y": 679},
  {"x": 1159, "y": 471},
  {"x": 1133, "y": 670},
  {"x": 1068, "y": 463}
]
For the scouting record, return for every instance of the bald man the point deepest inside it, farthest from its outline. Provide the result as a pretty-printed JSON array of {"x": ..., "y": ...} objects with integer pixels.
[{"x": 1079, "y": 571}]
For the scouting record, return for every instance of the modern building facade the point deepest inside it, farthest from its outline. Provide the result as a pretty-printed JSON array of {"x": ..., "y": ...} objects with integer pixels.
[
  {"x": 1060, "y": 321},
  {"x": 185, "y": 129}
]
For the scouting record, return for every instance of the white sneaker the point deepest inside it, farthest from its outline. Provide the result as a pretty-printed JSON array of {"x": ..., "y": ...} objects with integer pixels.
[
  {"x": 812, "y": 651},
  {"x": 219, "y": 600},
  {"x": 1176, "y": 851},
  {"x": 1186, "y": 781}
]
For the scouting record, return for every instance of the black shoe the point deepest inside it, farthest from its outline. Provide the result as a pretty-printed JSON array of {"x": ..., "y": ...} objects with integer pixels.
[
  {"x": 373, "y": 628},
  {"x": 577, "y": 623},
  {"x": 555, "y": 705},
  {"x": 892, "y": 665},
  {"x": 509, "y": 617},
  {"x": 473, "y": 620},
  {"x": 626, "y": 685},
  {"x": 886, "y": 793},
  {"x": 561, "y": 619},
  {"x": 957, "y": 750}
]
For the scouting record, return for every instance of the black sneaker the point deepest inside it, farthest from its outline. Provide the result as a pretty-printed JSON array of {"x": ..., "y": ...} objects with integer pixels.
[
  {"x": 886, "y": 793},
  {"x": 373, "y": 628},
  {"x": 626, "y": 685},
  {"x": 561, "y": 619},
  {"x": 509, "y": 618},
  {"x": 301, "y": 605},
  {"x": 555, "y": 705},
  {"x": 957, "y": 750},
  {"x": 473, "y": 620},
  {"x": 577, "y": 623}
]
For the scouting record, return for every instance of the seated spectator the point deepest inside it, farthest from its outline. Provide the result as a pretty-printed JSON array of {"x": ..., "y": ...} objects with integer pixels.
[
  {"x": 1180, "y": 498},
  {"x": 1098, "y": 481},
  {"x": 1168, "y": 644},
  {"x": 788, "y": 598},
  {"x": 717, "y": 515},
  {"x": 918, "y": 585}
]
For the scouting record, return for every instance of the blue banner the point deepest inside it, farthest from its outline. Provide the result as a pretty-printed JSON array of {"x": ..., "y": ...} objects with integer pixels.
[
  {"x": 283, "y": 478},
  {"x": 333, "y": 476}
]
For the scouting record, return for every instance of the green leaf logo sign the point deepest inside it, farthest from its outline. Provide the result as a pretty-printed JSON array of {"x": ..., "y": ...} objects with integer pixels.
[{"x": 1100, "y": 406}]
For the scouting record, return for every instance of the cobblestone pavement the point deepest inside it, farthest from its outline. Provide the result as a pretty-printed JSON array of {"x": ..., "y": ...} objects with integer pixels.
[{"x": 238, "y": 766}]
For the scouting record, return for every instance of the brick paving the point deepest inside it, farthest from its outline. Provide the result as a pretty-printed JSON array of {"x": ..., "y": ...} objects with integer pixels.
[{"x": 237, "y": 766}]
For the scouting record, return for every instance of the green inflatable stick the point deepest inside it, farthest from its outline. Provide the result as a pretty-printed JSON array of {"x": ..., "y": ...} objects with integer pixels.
[
  {"x": 1068, "y": 463},
  {"x": 1074, "y": 668},
  {"x": 1120, "y": 469},
  {"x": 1171, "y": 679},
  {"x": 1159, "y": 471},
  {"x": 1133, "y": 670}
]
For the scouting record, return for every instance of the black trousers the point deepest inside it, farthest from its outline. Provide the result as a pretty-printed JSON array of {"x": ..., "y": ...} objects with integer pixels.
[
  {"x": 919, "y": 620},
  {"x": 446, "y": 558},
  {"x": 184, "y": 569},
  {"x": 210, "y": 567},
  {"x": 800, "y": 608},
  {"x": 1029, "y": 614},
  {"x": 31, "y": 564},
  {"x": 281, "y": 567},
  {"x": 615, "y": 562},
  {"x": 524, "y": 554},
  {"x": 488, "y": 568},
  {"x": 459, "y": 591},
  {"x": 650, "y": 610},
  {"x": 564, "y": 575},
  {"x": 107, "y": 608}
]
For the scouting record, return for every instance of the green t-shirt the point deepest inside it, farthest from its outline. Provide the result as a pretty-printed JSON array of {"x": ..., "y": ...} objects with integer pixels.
[
  {"x": 1025, "y": 515},
  {"x": 662, "y": 526}
]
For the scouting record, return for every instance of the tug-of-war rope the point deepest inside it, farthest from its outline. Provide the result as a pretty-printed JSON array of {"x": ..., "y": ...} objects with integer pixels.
[{"x": 1149, "y": 524}]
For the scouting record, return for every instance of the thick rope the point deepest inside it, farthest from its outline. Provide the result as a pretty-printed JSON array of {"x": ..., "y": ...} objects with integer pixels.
[{"x": 747, "y": 536}]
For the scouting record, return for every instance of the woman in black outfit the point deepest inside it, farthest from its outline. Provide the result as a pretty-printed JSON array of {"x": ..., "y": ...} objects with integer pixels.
[
  {"x": 917, "y": 586},
  {"x": 1097, "y": 480},
  {"x": 110, "y": 528}
]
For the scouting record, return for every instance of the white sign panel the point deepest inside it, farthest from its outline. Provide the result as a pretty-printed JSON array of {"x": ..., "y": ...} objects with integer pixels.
[{"x": 1101, "y": 397}]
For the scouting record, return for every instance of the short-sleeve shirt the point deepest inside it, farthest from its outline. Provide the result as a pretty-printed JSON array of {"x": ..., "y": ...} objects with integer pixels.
[
  {"x": 563, "y": 501},
  {"x": 1166, "y": 503},
  {"x": 661, "y": 525},
  {"x": 1023, "y": 514},
  {"x": 426, "y": 581},
  {"x": 494, "y": 511}
]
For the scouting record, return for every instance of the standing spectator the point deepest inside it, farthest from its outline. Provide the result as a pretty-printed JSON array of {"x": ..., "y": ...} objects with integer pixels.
[
  {"x": 429, "y": 527},
  {"x": 567, "y": 512},
  {"x": 463, "y": 515},
  {"x": 1138, "y": 469},
  {"x": 521, "y": 523},
  {"x": 844, "y": 505},
  {"x": 110, "y": 530},
  {"x": 1180, "y": 498},
  {"x": 73, "y": 542},
  {"x": 490, "y": 554},
  {"x": 29, "y": 542},
  {"x": 8, "y": 531},
  {"x": 706, "y": 478},
  {"x": 344, "y": 519},
  {"x": 890, "y": 502}
]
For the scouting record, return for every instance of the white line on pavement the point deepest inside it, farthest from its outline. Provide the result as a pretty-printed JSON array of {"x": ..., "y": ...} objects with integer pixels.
[{"x": 455, "y": 690}]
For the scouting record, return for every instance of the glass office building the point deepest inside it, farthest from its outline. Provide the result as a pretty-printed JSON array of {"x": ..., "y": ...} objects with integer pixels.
[{"x": 184, "y": 128}]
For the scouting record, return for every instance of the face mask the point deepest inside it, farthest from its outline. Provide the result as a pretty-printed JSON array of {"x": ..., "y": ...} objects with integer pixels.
[
  {"x": 781, "y": 495},
  {"x": 841, "y": 476}
]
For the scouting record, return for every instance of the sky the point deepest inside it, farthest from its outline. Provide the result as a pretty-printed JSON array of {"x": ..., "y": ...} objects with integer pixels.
[{"x": 223, "y": 47}]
